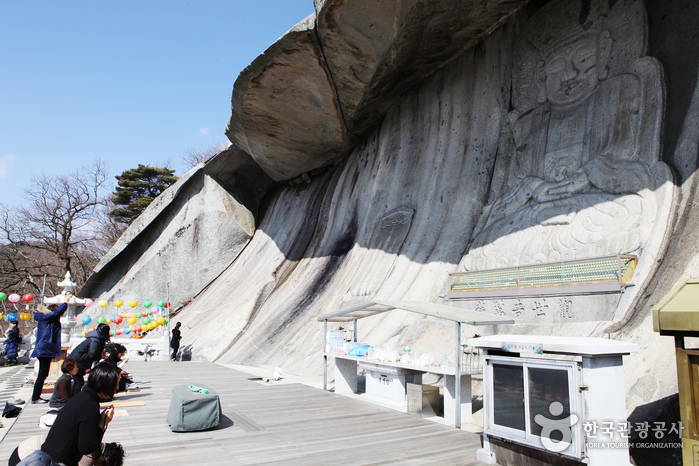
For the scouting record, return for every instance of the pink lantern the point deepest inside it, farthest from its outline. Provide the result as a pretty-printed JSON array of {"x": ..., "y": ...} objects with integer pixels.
[
  {"x": 88, "y": 302},
  {"x": 14, "y": 297}
]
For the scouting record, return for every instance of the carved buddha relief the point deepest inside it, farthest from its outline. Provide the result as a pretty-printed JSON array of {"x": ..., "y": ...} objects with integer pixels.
[{"x": 578, "y": 171}]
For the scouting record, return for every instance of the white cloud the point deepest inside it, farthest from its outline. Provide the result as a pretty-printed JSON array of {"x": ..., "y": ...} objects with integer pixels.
[
  {"x": 204, "y": 130},
  {"x": 6, "y": 162}
]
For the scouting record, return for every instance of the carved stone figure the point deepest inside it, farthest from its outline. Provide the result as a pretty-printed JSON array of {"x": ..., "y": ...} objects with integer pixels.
[{"x": 578, "y": 171}]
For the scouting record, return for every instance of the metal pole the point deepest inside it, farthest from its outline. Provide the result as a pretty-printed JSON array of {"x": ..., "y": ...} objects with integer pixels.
[
  {"x": 43, "y": 288},
  {"x": 325, "y": 356},
  {"x": 355, "y": 330},
  {"x": 457, "y": 377}
]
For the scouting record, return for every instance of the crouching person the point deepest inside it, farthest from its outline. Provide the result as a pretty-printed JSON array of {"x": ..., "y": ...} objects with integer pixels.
[
  {"x": 79, "y": 426},
  {"x": 28, "y": 453}
]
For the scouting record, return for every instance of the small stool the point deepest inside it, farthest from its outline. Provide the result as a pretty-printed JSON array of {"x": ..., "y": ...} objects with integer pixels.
[{"x": 191, "y": 411}]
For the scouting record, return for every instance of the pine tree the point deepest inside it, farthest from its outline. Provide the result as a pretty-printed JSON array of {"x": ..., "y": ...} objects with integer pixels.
[{"x": 137, "y": 188}]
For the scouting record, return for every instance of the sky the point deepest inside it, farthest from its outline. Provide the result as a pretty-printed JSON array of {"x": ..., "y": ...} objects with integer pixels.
[{"x": 127, "y": 81}]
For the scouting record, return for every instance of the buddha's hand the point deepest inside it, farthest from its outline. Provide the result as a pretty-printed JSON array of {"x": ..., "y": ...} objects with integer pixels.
[{"x": 551, "y": 191}]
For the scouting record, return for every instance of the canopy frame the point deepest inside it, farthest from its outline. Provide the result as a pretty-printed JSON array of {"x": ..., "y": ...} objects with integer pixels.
[{"x": 456, "y": 315}]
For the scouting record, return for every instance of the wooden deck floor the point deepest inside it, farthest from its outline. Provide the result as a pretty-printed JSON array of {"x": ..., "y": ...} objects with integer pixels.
[{"x": 264, "y": 423}]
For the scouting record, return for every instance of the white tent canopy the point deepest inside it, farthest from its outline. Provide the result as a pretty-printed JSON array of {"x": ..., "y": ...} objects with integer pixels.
[{"x": 371, "y": 308}]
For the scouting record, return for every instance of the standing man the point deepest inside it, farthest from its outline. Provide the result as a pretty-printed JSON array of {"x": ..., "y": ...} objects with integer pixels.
[
  {"x": 48, "y": 342},
  {"x": 175, "y": 342}
]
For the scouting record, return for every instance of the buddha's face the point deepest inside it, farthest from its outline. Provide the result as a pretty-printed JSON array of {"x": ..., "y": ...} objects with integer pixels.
[{"x": 571, "y": 72}]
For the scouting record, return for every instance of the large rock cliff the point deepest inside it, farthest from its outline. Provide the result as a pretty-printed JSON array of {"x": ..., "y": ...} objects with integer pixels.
[{"x": 375, "y": 150}]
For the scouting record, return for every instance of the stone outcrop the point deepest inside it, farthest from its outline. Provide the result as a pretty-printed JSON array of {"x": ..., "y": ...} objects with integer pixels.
[
  {"x": 338, "y": 74},
  {"x": 187, "y": 236},
  {"x": 396, "y": 127}
]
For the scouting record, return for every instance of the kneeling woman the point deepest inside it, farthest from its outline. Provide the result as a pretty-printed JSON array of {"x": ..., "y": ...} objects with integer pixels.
[
  {"x": 63, "y": 389},
  {"x": 79, "y": 426}
]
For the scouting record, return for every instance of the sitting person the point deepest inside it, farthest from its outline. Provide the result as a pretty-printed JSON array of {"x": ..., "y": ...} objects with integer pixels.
[
  {"x": 62, "y": 390},
  {"x": 79, "y": 426},
  {"x": 118, "y": 355},
  {"x": 108, "y": 454}
]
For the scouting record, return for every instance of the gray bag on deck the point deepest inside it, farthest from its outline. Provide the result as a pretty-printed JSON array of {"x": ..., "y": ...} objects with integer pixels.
[{"x": 192, "y": 411}]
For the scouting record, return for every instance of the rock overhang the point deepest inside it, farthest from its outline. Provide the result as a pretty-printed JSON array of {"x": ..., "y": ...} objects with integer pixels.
[{"x": 317, "y": 91}]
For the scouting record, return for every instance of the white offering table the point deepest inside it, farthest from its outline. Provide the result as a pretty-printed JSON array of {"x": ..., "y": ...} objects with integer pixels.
[{"x": 386, "y": 384}]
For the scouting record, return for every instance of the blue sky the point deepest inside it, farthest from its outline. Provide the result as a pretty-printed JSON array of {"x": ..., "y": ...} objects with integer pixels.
[{"x": 127, "y": 81}]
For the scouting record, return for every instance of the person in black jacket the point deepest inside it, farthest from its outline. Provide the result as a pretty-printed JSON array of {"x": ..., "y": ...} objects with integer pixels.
[
  {"x": 116, "y": 354},
  {"x": 79, "y": 426},
  {"x": 88, "y": 352},
  {"x": 175, "y": 341}
]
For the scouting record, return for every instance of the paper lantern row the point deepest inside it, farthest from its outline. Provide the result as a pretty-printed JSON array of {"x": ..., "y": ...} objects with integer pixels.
[
  {"x": 118, "y": 303},
  {"x": 15, "y": 298},
  {"x": 27, "y": 298},
  {"x": 13, "y": 316},
  {"x": 130, "y": 318},
  {"x": 134, "y": 328}
]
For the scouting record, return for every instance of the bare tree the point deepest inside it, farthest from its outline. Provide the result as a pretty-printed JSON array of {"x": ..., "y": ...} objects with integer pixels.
[
  {"x": 193, "y": 157},
  {"x": 55, "y": 229},
  {"x": 111, "y": 227}
]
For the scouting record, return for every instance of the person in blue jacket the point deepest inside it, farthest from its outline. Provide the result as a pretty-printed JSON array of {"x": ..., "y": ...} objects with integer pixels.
[
  {"x": 12, "y": 343},
  {"x": 48, "y": 342}
]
